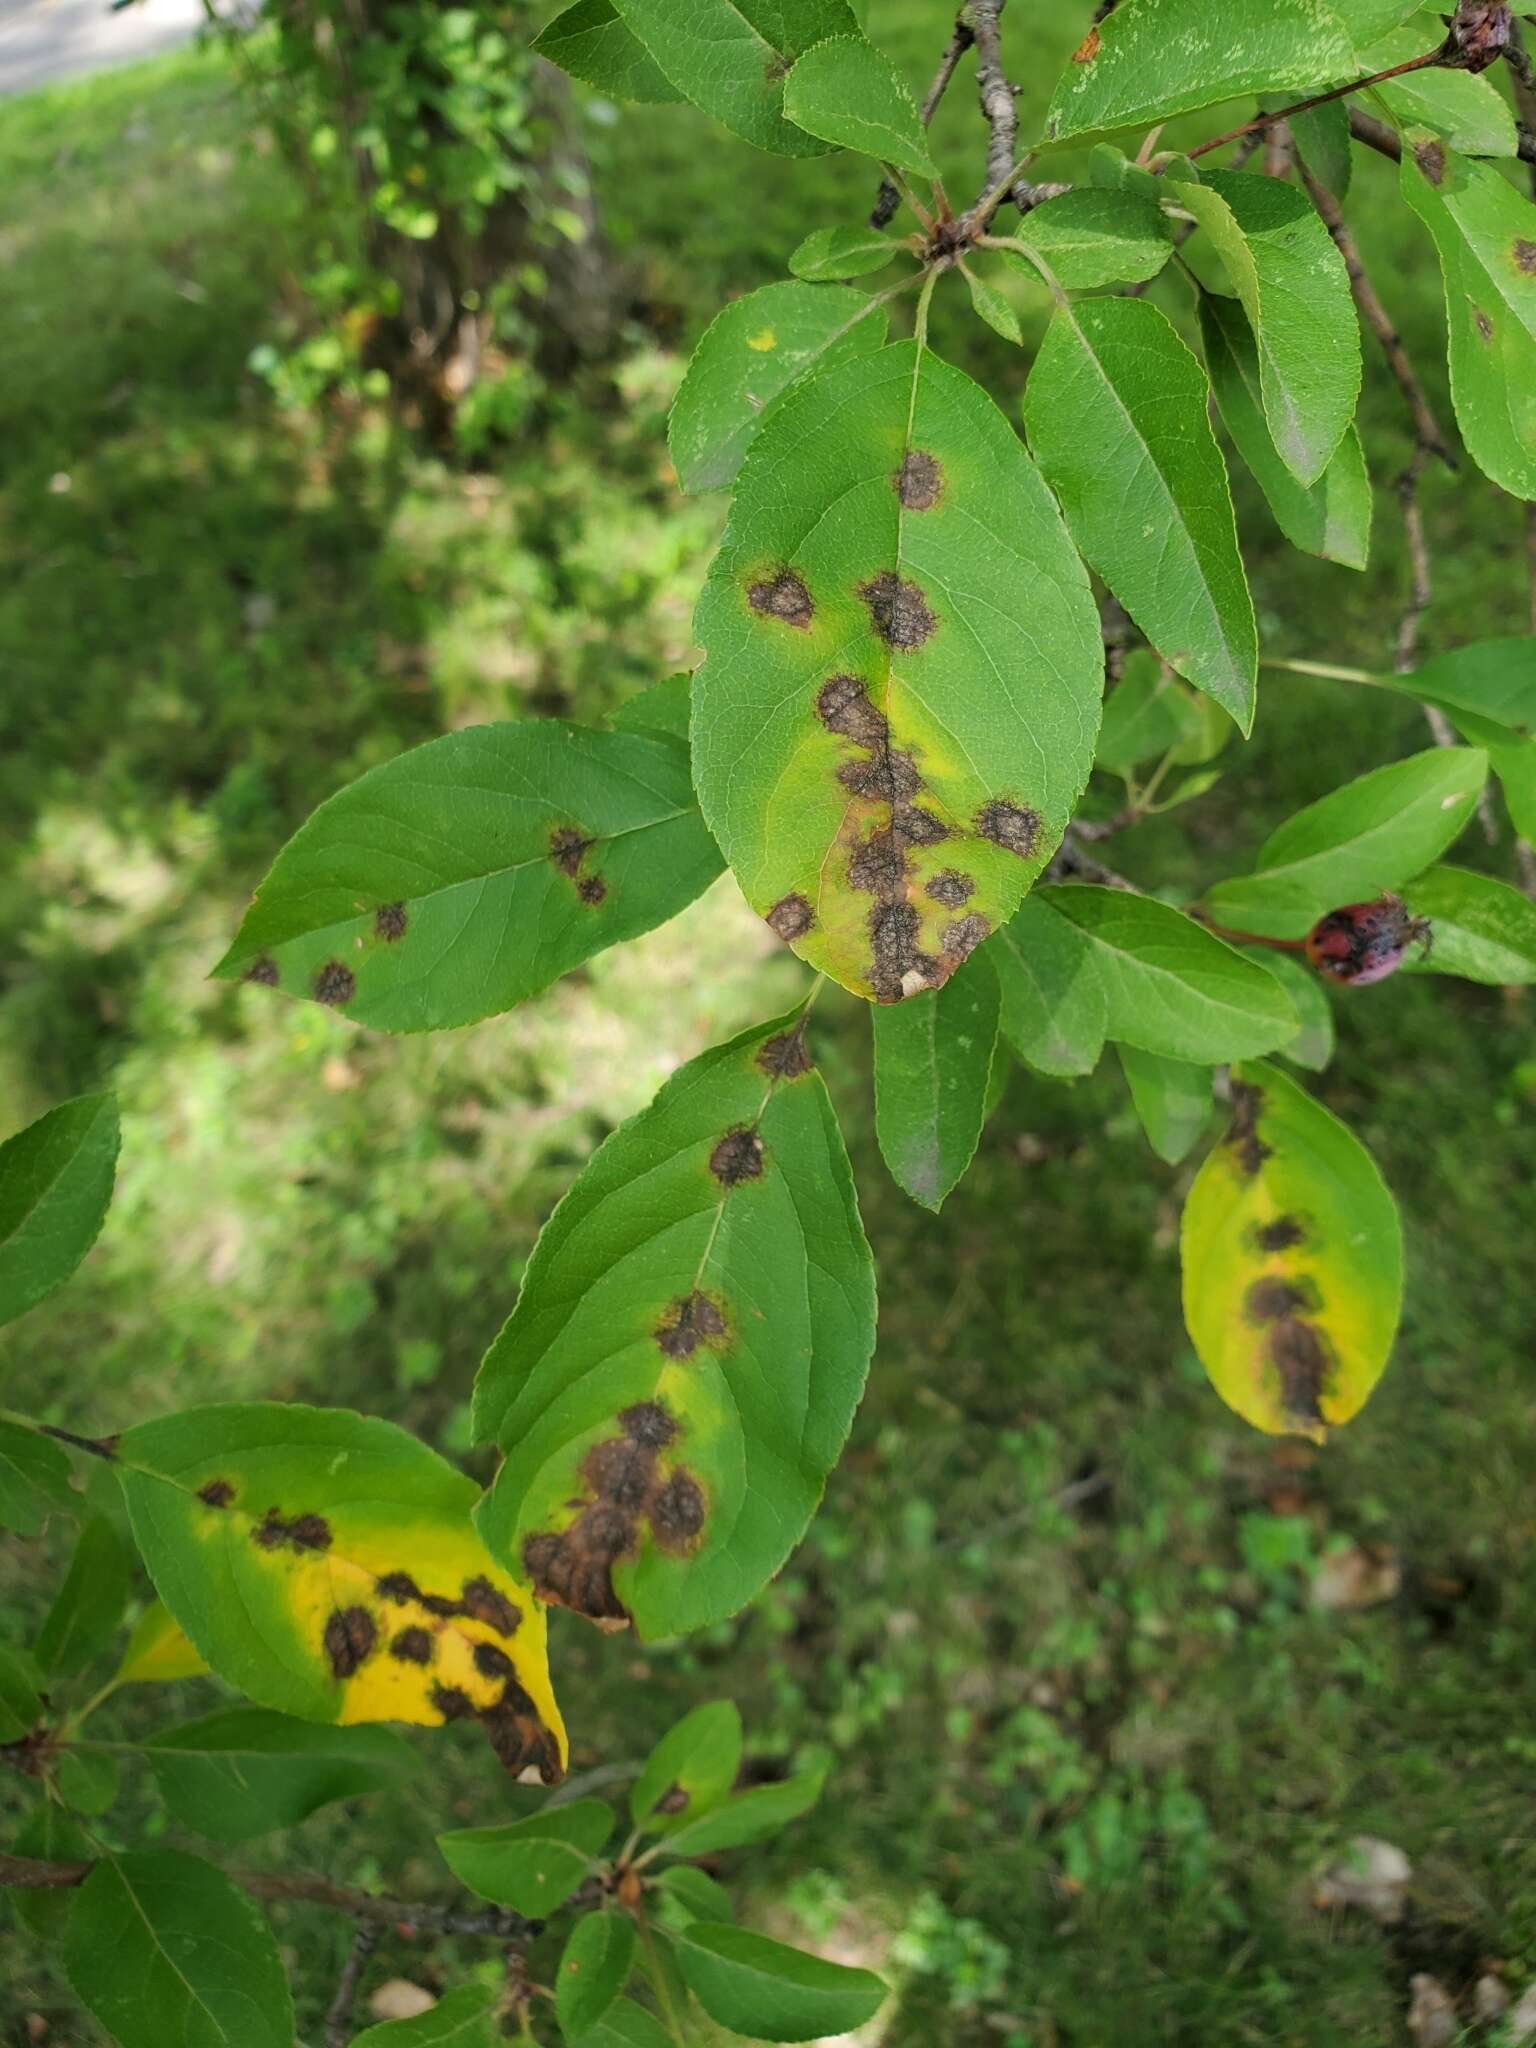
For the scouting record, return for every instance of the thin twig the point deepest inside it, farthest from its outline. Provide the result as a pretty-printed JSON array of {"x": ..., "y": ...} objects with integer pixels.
[
  {"x": 338, "y": 2017},
  {"x": 1321, "y": 99},
  {"x": 1377, "y": 135},
  {"x": 1420, "y": 589},
  {"x": 888, "y": 198},
  {"x": 1278, "y": 151}
]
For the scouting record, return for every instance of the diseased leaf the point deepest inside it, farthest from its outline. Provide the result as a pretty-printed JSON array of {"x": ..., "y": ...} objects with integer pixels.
[
  {"x": 1054, "y": 1010},
  {"x": 1293, "y": 1261},
  {"x": 593, "y": 1970},
  {"x": 55, "y": 1183},
  {"x": 897, "y": 710},
  {"x": 1090, "y": 237},
  {"x": 1294, "y": 288},
  {"x": 690, "y": 1770},
  {"x": 751, "y": 1816},
  {"x": 1152, "y": 59},
  {"x": 1464, "y": 110},
  {"x": 1354, "y": 843},
  {"x": 464, "y": 2018},
  {"x": 771, "y": 1992},
  {"x": 1115, "y": 410},
  {"x": 242, "y": 1772},
  {"x": 164, "y": 1949},
  {"x": 159, "y": 1649},
  {"x": 531, "y": 1865},
  {"x": 592, "y": 43},
  {"x": 689, "y": 1345},
  {"x": 754, "y": 350},
  {"x": 851, "y": 94},
  {"x": 843, "y": 252},
  {"x": 34, "y": 1479},
  {"x": 468, "y": 874},
  {"x": 1147, "y": 713},
  {"x": 933, "y": 1058},
  {"x": 326, "y": 1564},
  {"x": 1171, "y": 987},
  {"x": 1484, "y": 233},
  {"x": 1483, "y": 929},
  {"x": 731, "y": 58},
  {"x": 1172, "y": 1100},
  {"x": 89, "y": 1605},
  {"x": 1331, "y": 517}
]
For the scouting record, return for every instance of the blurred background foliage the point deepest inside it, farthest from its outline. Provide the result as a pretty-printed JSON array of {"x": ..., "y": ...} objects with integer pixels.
[{"x": 1075, "y": 1637}]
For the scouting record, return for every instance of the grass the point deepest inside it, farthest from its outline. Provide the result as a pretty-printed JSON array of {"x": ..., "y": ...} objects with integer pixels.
[{"x": 1087, "y": 1756}]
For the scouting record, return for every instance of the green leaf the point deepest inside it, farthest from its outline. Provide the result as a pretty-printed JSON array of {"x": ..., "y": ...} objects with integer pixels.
[
  {"x": 768, "y": 1991},
  {"x": 626, "y": 2025},
  {"x": 89, "y": 1605},
  {"x": 682, "y": 1365},
  {"x": 1484, "y": 233},
  {"x": 326, "y": 1564},
  {"x": 1463, "y": 110},
  {"x": 1293, "y": 1261},
  {"x": 1172, "y": 988},
  {"x": 1483, "y": 929},
  {"x": 849, "y": 93},
  {"x": 1054, "y": 1009},
  {"x": 750, "y": 1816},
  {"x": 1493, "y": 679},
  {"x": 697, "y": 1895},
  {"x": 843, "y": 252},
  {"x": 1115, "y": 409},
  {"x": 663, "y": 707},
  {"x": 1172, "y": 1100},
  {"x": 55, "y": 1184},
  {"x": 465, "y": 2018},
  {"x": 1331, "y": 517},
  {"x": 933, "y": 1057},
  {"x": 593, "y": 1970},
  {"x": 1321, "y": 136},
  {"x": 468, "y": 874},
  {"x": 1355, "y": 842},
  {"x": 1152, "y": 59},
  {"x": 531, "y": 1865},
  {"x": 1295, "y": 290},
  {"x": 20, "y": 1707},
  {"x": 1369, "y": 20},
  {"x": 691, "y": 1769},
  {"x": 159, "y": 1649},
  {"x": 87, "y": 1780},
  {"x": 244, "y": 1771},
  {"x": 1146, "y": 714},
  {"x": 53, "y": 1836},
  {"x": 754, "y": 350},
  {"x": 990, "y": 305},
  {"x": 592, "y": 43},
  {"x": 34, "y": 1479},
  {"x": 730, "y": 57},
  {"x": 897, "y": 710},
  {"x": 1091, "y": 237},
  {"x": 1312, "y": 1046},
  {"x": 164, "y": 1949}
]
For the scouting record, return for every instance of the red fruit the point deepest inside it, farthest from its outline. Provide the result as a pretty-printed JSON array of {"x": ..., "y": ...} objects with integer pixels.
[{"x": 1365, "y": 942}]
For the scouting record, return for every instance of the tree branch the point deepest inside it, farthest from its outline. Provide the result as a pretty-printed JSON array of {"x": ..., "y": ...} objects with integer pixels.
[
  {"x": 338, "y": 2017},
  {"x": 997, "y": 102}
]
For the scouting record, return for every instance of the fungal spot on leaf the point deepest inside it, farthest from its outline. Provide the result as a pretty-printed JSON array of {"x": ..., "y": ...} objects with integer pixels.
[
  {"x": 1243, "y": 1131},
  {"x": 1279, "y": 1235},
  {"x": 519, "y": 1737},
  {"x": 218, "y": 1493},
  {"x": 917, "y": 826},
  {"x": 390, "y": 921},
  {"x": 412, "y": 1646},
  {"x": 677, "y": 1512},
  {"x": 263, "y": 971},
  {"x": 620, "y": 1472},
  {"x": 335, "y": 984},
  {"x": 1300, "y": 1356},
  {"x": 1484, "y": 325},
  {"x": 791, "y": 917},
  {"x": 480, "y": 1601},
  {"x": 1013, "y": 826},
  {"x": 1525, "y": 257},
  {"x": 898, "y": 611},
  {"x": 786, "y": 1056},
  {"x": 452, "y": 1704},
  {"x": 576, "y": 1570},
  {"x": 879, "y": 867},
  {"x": 737, "y": 1157},
  {"x": 963, "y": 937},
  {"x": 782, "y": 596},
  {"x": 951, "y": 888},
  {"x": 1271, "y": 1297},
  {"x": 919, "y": 481},
  {"x": 567, "y": 847},
  {"x": 1430, "y": 158},
  {"x": 491, "y": 1662},
  {"x": 298, "y": 1533},
  {"x": 776, "y": 68},
  {"x": 397, "y": 1586},
  {"x": 647, "y": 1422},
  {"x": 674, "y": 1800},
  {"x": 1088, "y": 48},
  {"x": 843, "y": 706},
  {"x": 692, "y": 1320},
  {"x": 350, "y": 1635},
  {"x": 592, "y": 889}
]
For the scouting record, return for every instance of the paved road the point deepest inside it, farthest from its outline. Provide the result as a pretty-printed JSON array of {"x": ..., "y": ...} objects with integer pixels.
[{"x": 47, "y": 39}]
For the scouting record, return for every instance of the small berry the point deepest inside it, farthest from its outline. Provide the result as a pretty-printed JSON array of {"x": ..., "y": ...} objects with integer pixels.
[{"x": 1365, "y": 942}]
